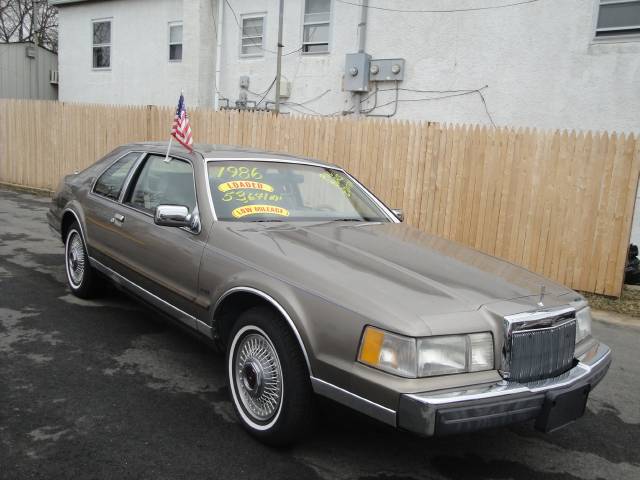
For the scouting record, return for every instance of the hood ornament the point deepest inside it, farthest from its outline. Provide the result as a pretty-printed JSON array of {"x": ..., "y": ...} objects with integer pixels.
[{"x": 542, "y": 292}]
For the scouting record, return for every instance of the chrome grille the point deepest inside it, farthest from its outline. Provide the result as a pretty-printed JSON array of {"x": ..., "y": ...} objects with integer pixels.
[{"x": 538, "y": 349}]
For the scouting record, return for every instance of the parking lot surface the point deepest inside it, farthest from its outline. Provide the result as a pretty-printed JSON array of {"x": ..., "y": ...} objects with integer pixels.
[{"x": 107, "y": 389}]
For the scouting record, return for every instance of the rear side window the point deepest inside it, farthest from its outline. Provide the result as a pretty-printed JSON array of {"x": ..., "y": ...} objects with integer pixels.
[
  {"x": 110, "y": 182},
  {"x": 163, "y": 183}
]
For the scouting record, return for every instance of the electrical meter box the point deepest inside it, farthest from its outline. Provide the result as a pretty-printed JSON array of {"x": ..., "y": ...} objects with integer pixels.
[
  {"x": 356, "y": 72},
  {"x": 285, "y": 88},
  {"x": 386, "y": 69}
]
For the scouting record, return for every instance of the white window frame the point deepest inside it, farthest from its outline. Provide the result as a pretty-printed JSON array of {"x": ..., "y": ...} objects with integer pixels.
[
  {"x": 304, "y": 24},
  {"x": 177, "y": 23},
  {"x": 621, "y": 37},
  {"x": 97, "y": 45},
  {"x": 251, "y": 16}
]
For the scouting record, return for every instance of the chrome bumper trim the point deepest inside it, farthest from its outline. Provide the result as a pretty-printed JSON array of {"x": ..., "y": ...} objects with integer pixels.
[
  {"x": 424, "y": 406},
  {"x": 358, "y": 403}
]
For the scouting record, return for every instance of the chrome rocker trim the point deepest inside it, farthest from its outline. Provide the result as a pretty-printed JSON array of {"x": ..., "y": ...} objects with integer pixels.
[
  {"x": 153, "y": 299},
  {"x": 498, "y": 403}
]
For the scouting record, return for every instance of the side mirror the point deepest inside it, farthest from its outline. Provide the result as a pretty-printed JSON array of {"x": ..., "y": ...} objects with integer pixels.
[
  {"x": 176, "y": 216},
  {"x": 398, "y": 213}
]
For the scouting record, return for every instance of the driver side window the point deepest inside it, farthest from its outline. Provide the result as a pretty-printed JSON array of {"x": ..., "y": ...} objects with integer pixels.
[{"x": 163, "y": 183}]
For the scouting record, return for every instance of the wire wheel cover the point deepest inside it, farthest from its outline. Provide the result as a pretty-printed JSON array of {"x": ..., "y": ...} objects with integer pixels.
[
  {"x": 258, "y": 376},
  {"x": 76, "y": 259}
]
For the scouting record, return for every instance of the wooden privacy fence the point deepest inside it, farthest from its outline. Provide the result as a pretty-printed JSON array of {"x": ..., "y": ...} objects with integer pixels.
[{"x": 558, "y": 203}]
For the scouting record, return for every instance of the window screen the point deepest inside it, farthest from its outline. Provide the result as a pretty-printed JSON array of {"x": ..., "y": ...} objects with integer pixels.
[
  {"x": 102, "y": 44},
  {"x": 175, "y": 42},
  {"x": 618, "y": 17},
  {"x": 315, "y": 33},
  {"x": 252, "y": 35}
]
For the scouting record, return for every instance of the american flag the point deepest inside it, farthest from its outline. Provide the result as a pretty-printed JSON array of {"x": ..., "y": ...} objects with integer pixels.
[{"x": 181, "y": 129}]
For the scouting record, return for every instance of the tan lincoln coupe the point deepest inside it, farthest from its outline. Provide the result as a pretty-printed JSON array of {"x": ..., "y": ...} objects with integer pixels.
[{"x": 313, "y": 286}]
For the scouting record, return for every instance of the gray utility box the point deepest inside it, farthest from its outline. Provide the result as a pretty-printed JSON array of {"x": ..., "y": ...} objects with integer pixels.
[{"x": 356, "y": 72}]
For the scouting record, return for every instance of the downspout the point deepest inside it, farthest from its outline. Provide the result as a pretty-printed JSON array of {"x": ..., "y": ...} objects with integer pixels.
[
  {"x": 216, "y": 98},
  {"x": 362, "y": 41}
]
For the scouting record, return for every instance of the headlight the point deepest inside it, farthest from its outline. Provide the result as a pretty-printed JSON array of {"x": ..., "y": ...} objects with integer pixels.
[
  {"x": 583, "y": 324},
  {"x": 388, "y": 351},
  {"x": 426, "y": 357}
]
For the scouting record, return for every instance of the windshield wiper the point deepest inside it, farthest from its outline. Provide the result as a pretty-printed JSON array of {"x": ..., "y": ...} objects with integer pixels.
[{"x": 349, "y": 220}]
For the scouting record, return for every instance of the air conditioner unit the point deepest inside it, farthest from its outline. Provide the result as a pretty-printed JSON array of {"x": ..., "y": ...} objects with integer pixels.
[{"x": 53, "y": 77}]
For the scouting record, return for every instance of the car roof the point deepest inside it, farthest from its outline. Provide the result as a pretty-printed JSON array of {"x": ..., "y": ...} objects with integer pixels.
[{"x": 225, "y": 152}]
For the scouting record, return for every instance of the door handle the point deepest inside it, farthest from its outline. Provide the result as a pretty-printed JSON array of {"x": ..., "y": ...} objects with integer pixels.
[{"x": 117, "y": 217}]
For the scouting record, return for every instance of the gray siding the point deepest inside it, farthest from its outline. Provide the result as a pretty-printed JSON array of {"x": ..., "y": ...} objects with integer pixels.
[{"x": 25, "y": 77}]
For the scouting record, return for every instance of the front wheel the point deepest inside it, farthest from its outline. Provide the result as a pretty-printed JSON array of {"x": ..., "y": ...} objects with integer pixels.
[{"x": 268, "y": 378}]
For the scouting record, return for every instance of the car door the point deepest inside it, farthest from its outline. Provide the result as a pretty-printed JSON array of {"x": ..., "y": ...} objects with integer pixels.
[
  {"x": 163, "y": 260},
  {"x": 102, "y": 207}
]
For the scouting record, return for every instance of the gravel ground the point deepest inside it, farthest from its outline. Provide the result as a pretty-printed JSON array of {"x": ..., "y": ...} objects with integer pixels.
[
  {"x": 106, "y": 389},
  {"x": 627, "y": 304}
]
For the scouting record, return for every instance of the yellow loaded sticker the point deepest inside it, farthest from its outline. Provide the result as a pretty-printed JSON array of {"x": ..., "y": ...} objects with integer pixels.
[
  {"x": 259, "y": 209},
  {"x": 237, "y": 185}
]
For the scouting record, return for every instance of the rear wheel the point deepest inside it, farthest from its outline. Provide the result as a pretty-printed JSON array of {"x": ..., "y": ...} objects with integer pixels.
[
  {"x": 268, "y": 378},
  {"x": 81, "y": 277}
]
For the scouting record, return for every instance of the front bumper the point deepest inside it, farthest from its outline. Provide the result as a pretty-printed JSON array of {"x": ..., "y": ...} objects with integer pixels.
[{"x": 552, "y": 402}]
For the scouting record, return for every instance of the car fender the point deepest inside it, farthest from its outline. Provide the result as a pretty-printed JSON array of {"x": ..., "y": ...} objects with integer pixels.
[{"x": 73, "y": 207}]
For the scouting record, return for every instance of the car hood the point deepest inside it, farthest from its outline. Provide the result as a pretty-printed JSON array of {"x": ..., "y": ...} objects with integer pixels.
[{"x": 386, "y": 266}]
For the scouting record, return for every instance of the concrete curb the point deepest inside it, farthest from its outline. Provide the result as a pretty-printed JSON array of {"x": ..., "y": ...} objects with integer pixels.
[{"x": 23, "y": 189}]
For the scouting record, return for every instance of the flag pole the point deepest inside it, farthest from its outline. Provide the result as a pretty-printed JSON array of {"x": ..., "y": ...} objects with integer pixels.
[{"x": 166, "y": 158}]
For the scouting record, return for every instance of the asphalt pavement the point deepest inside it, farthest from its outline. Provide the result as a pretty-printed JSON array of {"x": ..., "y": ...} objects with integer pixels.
[{"x": 107, "y": 389}]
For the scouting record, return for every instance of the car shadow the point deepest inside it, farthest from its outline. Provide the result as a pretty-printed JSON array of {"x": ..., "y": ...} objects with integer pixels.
[{"x": 346, "y": 444}]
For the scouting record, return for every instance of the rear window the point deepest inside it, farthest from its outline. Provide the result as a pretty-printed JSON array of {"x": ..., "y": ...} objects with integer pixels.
[{"x": 110, "y": 183}]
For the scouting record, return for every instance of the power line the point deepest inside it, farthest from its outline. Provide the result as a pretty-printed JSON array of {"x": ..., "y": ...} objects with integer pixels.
[
  {"x": 293, "y": 106},
  {"x": 267, "y": 92},
  {"x": 304, "y": 103},
  {"x": 456, "y": 10},
  {"x": 443, "y": 95},
  {"x": 486, "y": 109},
  {"x": 313, "y": 99},
  {"x": 292, "y": 51},
  {"x": 395, "y": 106},
  {"x": 427, "y": 99},
  {"x": 259, "y": 94}
]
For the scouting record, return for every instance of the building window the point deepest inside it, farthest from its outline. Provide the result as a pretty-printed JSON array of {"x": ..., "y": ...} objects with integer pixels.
[
  {"x": 252, "y": 35},
  {"x": 315, "y": 33},
  {"x": 618, "y": 18},
  {"x": 101, "y": 30},
  {"x": 175, "y": 42}
]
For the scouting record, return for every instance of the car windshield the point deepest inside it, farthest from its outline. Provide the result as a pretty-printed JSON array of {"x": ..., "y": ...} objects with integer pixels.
[{"x": 245, "y": 191}]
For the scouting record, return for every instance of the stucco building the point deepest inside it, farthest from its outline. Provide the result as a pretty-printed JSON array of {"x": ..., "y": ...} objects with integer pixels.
[{"x": 537, "y": 63}]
